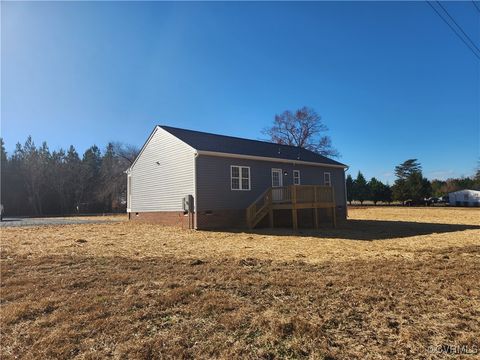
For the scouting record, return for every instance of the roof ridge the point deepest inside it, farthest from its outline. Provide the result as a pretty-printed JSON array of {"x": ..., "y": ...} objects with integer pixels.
[{"x": 236, "y": 137}]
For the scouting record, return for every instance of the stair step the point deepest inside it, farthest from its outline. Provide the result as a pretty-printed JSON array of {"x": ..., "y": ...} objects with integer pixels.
[{"x": 260, "y": 216}]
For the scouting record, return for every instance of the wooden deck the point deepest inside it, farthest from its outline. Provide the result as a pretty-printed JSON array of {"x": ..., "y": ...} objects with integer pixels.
[{"x": 294, "y": 197}]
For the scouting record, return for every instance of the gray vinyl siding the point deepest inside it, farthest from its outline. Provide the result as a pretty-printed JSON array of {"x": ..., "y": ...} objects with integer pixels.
[
  {"x": 213, "y": 181},
  {"x": 161, "y": 187}
]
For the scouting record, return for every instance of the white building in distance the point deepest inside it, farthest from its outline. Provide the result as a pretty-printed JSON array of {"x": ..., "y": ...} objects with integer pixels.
[{"x": 464, "y": 198}]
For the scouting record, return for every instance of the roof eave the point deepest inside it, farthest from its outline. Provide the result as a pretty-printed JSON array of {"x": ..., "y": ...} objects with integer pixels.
[{"x": 263, "y": 158}]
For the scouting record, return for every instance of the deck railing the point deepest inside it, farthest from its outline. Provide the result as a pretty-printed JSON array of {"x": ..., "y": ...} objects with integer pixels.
[
  {"x": 282, "y": 194},
  {"x": 302, "y": 194},
  {"x": 293, "y": 197}
]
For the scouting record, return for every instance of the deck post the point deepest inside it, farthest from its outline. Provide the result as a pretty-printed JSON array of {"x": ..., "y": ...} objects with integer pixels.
[
  {"x": 270, "y": 208},
  {"x": 333, "y": 209},
  {"x": 294, "y": 208},
  {"x": 316, "y": 207}
]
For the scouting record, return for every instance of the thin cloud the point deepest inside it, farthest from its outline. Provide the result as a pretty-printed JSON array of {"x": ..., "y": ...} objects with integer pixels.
[{"x": 441, "y": 174}]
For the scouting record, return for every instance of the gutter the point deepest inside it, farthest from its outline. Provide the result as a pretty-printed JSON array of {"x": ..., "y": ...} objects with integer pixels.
[
  {"x": 345, "y": 183},
  {"x": 195, "y": 207},
  {"x": 262, "y": 158}
]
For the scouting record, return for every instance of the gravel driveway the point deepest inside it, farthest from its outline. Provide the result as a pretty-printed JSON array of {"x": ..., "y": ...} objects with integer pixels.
[{"x": 20, "y": 222}]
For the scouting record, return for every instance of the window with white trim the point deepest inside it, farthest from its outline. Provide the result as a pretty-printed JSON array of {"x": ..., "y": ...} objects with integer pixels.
[
  {"x": 296, "y": 177},
  {"x": 239, "y": 177},
  {"x": 327, "y": 181}
]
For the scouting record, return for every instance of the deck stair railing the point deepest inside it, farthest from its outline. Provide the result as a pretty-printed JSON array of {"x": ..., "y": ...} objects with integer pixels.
[
  {"x": 292, "y": 197},
  {"x": 259, "y": 208}
]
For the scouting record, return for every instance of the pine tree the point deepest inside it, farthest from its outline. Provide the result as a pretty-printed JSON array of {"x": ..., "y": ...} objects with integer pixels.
[
  {"x": 377, "y": 189},
  {"x": 410, "y": 183},
  {"x": 476, "y": 177},
  {"x": 75, "y": 184},
  {"x": 107, "y": 189},
  {"x": 57, "y": 180},
  {"x": 418, "y": 187},
  {"x": 360, "y": 188},
  {"x": 91, "y": 163},
  {"x": 408, "y": 167},
  {"x": 399, "y": 190},
  {"x": 386, "y": 194},
  {"x": 350, "y": 189},
  {"x": 3, "y": 175}
]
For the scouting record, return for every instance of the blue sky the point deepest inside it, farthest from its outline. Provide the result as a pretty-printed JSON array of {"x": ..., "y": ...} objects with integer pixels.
[{"x": 390, "y": 79}]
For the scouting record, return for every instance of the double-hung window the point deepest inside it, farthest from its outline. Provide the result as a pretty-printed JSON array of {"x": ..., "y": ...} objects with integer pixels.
[
  {"x": 296, "y": 177},
  {"x": 327, "y": 181},
  {"x": 239, "y": 177}
]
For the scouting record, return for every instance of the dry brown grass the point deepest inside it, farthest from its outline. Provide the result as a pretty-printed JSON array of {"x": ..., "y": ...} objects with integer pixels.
[{"x": 388, "y": 284}]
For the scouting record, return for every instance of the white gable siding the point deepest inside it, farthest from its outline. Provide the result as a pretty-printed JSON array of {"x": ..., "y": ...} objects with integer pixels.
[{"x": 162, "y": 186}]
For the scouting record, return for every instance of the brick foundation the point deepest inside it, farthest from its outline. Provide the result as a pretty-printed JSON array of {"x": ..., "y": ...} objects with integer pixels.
[
  {"x": 236, "y": 218},
  {"x": 170, "y": 218}
]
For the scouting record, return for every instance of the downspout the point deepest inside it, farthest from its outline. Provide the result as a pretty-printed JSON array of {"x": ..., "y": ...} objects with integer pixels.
[
  {"x": 127, "y": 172},
  {"x": 345, "y": 183},
  {"x": 195, "y": 206}
]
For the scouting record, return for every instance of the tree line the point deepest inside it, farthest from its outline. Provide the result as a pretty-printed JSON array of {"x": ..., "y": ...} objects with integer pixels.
[
  {"x": 410, "y": 186},
  {"x": 36, "y": 181}
]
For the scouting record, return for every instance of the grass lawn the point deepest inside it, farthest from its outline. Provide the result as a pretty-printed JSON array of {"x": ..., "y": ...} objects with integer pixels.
[{"x": 391, "y": 283}]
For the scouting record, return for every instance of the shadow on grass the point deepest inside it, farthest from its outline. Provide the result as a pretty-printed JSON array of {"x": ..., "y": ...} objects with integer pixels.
[{"x": 368, "y": 230}]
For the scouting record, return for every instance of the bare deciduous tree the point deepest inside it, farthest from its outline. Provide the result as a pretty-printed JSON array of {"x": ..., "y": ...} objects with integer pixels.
[
  {"x": 303, "y": 128},
  {"x": 112, "y": 188},
  {"x": 126, "y": 152}
]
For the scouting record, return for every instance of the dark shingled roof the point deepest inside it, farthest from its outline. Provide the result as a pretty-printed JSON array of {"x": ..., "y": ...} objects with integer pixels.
[{"x": 233, "y": 145}]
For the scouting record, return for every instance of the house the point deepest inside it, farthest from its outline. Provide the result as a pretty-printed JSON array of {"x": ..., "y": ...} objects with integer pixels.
[
  {"x": 464, "y": 198},
  {"x": 204, "y": 181}
]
